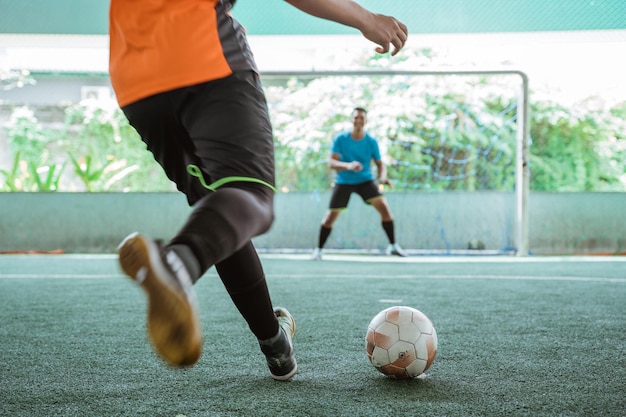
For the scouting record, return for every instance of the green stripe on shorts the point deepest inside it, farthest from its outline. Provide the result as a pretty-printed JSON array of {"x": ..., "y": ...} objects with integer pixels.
[{"x": 194, "y": 171}]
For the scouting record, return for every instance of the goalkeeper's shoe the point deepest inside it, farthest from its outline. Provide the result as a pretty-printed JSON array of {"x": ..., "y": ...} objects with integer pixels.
[
  {"x": 396, "y": 250},
  {"x": 279, "y": 351},
  {"x": 317, "y": 254},
  {"x": 173, "y": 324}
]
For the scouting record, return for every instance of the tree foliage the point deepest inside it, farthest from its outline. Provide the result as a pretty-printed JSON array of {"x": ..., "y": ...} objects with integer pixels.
[
  {"x": 447, "y": 133},
  {"x": 437, "y": 133}
]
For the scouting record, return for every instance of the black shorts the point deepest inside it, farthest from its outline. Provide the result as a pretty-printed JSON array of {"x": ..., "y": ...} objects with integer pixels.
[
  {"x": 341, "y": 194},
  {"x": 209, "y": 135}
]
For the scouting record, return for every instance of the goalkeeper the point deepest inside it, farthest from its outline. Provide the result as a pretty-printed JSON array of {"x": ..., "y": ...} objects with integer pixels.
[{"x": 351, "y": 156}]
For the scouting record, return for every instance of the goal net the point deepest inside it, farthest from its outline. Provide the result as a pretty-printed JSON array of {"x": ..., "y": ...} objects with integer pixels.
[{"x": 450, "y": 142}]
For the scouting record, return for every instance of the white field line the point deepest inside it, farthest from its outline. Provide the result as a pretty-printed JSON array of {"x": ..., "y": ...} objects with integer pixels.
[
  {"x": 453, "y": 276},
  {"x": 351, "y": 276},
  {"x": 375, "y": 258},
  {"x": 59, "y": 276},
  {"x": 453, "y": 258}
]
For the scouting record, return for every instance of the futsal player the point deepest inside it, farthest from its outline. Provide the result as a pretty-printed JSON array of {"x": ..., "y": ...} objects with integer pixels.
[{"x": 185, "y": 78}]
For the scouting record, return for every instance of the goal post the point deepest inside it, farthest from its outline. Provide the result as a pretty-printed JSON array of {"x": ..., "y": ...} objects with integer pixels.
[{"x": 522, "y": 173}]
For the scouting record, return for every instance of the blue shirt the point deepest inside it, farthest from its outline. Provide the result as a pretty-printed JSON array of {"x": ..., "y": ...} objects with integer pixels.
[{"x": 363, "y": 150}]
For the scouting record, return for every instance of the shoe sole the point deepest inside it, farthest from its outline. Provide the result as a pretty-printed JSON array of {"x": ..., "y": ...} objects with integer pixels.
[{"x": 173, "y": 324}]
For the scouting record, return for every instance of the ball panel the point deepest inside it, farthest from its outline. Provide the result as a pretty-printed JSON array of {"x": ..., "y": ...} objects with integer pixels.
[
  {"x": 409, "y": 332},
  {"x": 369, "y": 343},
  {"x": 402, "y": 354},
  {"x": 393, "y": 370},
  {"x": 433, "y": 335},
  {"x": 422, "y": 322},
  {"x": 431, "y": 346},
  {"x": 385, "y": 335},
  {"x": 417, "y": 367},
  {"x": 380, "y": 357}
]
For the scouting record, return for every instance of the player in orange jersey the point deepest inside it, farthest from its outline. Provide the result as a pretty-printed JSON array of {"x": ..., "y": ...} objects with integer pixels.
[{"x": 185, "y": 77}]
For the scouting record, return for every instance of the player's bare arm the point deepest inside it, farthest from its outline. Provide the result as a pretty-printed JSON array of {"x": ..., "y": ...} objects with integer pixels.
[
  {"x": 382, "y": 173},
  {"x": 337, "y": 165},
  {"x": 380, "y": 29}
]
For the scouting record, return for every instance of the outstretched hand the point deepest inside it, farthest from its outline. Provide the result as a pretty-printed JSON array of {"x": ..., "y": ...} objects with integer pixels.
[
  {"x": 380, "y": 29},
  {"x": 385, "y": 182},
  {"x": 385, "y": 30}
]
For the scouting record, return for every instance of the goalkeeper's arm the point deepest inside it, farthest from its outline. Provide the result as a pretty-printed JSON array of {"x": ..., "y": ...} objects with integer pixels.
[{"x": 382, "y": 173}]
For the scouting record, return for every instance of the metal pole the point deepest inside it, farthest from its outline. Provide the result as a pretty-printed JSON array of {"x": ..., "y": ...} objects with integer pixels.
[{"x": 522, "y": 180}]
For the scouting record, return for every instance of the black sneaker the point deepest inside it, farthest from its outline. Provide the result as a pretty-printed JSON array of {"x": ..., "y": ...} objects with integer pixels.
[
  {"x": 173, "y": 324},
  {"x": 279, "y": 354}
]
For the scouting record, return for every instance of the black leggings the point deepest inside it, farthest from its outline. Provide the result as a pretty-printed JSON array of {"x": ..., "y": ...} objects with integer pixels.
[{"x": 214, "y": 140}]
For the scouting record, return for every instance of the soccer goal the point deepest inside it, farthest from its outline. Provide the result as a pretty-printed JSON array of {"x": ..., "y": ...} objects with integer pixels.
[{"x": 443, "y": 132}]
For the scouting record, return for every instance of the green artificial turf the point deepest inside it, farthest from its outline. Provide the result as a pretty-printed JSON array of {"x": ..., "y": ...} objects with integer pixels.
[{"x": 515, "y": 339}]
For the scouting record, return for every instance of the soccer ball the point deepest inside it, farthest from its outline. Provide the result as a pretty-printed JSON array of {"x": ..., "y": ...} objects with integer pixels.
[{"x": 401, "y": 342}]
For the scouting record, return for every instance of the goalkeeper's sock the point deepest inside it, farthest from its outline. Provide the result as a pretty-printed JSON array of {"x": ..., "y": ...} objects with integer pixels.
[
  {"x": 388, "y": 227},
  {"x": 324, "y": 233}
]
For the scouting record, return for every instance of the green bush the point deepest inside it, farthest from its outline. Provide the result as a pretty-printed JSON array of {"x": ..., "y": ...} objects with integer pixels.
[
  {"x": 573, "y": 151},
  {"x": 94, "y": 140}
]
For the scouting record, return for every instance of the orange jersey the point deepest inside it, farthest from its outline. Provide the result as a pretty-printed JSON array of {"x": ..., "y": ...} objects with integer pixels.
[{"x": 161, "y": 45}]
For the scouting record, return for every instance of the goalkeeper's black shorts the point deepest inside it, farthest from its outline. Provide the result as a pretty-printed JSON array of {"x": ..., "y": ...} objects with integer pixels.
[{"x": 368, "y": 191}]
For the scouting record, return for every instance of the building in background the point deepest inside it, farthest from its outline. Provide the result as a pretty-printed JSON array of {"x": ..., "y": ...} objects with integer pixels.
[{"x": 570, "y": 48}]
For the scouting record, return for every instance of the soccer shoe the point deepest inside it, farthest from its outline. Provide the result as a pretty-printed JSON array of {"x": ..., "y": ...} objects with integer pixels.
[
  {"x": 279, "y": 353},
  {"x": 396, "y": 250},
  {"x": 317, "y": 254},
  {"x": 173, "y": 324}
]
